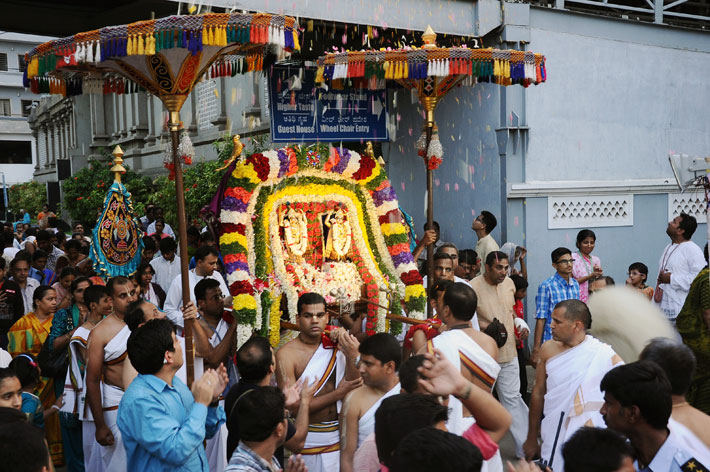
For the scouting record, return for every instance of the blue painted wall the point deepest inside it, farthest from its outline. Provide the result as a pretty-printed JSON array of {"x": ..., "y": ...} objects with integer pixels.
[{"x": 468, "y": 180}]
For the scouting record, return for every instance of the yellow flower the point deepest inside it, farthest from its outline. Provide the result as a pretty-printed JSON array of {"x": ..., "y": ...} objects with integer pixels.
[
  {"x": 388, "y": 229},
  {"x": 229, "y": 238},
  {"x": 246, "y": 171},
  {"x": 414, "y": 291},
  {"x": 275, "y": 321},
  {"x": 244, "y": 301}
]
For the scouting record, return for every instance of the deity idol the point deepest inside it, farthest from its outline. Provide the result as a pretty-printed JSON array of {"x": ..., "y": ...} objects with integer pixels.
[
  {"x": 295, "y": 234},
  {"x": 339, "y": 236}
]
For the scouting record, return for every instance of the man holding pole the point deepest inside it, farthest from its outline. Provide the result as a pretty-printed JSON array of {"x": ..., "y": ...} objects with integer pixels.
[{"x": 329, "y": 360}]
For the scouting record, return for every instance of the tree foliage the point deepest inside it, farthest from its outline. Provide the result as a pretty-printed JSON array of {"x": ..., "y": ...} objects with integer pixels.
[
  {"x": 85, "y": 191},
  {"x": 28, "y": 196}
]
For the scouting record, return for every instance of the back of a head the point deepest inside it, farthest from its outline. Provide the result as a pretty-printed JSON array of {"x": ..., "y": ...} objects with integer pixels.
[
  {"x": 676, "y": 359},
  {"x": 489, "y": 219},
  {"x": 149, "y": 243},
  {"x": 135, "y": 316},
  {"x": 467, "y": 256},
  {"x": 439, "y": 286},
  {"x": 688, "y": 224},
  {"x": 576, "y": 310},
  {"x": 401, "y": 414},
  {"x": 384, "y": 347},
  {"x": 461, "y": 300},
  {"x": 519, "y": 281},
  {"x": 409, "y": 373},
  {"x": 259, "y": 412},
  {"x": 595, "y": 450},
  {"x": 23, "y": 448},
  {"x": 147, "y": 345},
  {"x": 642, "y": 384},
  {"x": 254, "y": 359},
  {"x": 167, "y": 245},
  {"x": 430, "y": 449},
  {"x": 9, "y": 415}
]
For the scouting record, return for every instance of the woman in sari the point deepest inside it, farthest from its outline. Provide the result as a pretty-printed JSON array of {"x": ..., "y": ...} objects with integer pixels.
[{"x": 27, "y": 336}]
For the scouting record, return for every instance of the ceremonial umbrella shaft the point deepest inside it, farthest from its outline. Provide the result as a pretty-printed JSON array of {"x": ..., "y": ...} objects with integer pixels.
[
  {"x": 182, "y": 238},
  {"x": 429, "y": 214}
]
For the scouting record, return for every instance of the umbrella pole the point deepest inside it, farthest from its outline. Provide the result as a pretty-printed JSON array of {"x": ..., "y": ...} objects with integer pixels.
[
  {"x": 429, "y": 103},
  {"x": 429, "y": 215},
  {"x": 174, "y": 126}
]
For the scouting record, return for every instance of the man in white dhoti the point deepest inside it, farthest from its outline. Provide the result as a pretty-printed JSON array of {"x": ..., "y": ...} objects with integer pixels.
[
  {"x": 471, "y": 351},
  {"x": 98, "y": 302},
  {"x": 380, "y": 356},
  {"x": 106, "y": 353},
  {"x": 680, "y": 262},
  {"x": 567, "y": 379},
  {"x": 329, "y": 361}
]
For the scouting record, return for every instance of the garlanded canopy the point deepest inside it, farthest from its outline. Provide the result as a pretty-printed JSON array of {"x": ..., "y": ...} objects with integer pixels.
[
  {"x": 303, "y": 219},
  {"x": 164, "y": 57},
  {"x": 503, "y": 67}
]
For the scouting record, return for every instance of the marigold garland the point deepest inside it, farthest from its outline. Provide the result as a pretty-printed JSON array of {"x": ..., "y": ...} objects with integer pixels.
[{"x": 316, "y": 178}]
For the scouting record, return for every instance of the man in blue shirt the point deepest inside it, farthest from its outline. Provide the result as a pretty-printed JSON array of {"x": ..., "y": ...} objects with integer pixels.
[
  {"x": 638, "y": 404},
  {"x": 561, "y": 286},
  {"x": 162, "y": 423}
]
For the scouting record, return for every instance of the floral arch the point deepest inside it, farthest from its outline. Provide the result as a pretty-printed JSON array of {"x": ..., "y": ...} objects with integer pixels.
[{"x": 320, "y": 219}]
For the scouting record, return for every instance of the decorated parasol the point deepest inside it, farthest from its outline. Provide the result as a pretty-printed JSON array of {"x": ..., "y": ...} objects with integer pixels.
[
  {"x": 433, "y": 72},
  {"x": 165, "y": 57}
]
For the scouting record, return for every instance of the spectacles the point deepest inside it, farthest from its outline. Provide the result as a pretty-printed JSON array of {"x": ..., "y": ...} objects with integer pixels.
[
  {"x": 565, "y": 261},
  {"x": 287, "y": 415}
]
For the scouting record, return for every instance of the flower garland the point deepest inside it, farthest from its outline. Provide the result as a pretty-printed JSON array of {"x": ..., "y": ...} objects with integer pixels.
[{"x": 315, "y": 175}]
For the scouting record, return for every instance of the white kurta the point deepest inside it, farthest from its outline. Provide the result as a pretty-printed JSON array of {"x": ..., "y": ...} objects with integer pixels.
[
  {"x": 684, "y": 261},
  {"x": 173, "y": 300},
  {"x": 165, "y": 271}
]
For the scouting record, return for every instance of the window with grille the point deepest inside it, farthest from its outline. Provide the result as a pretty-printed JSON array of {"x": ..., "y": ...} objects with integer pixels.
[
  {"x": 5, "y": 107},
  {"x": 3, "y": 61},
  {"x": 21, "y": 62}
]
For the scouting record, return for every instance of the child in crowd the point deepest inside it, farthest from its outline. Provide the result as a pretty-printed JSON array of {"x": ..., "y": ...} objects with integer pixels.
[
  {"x": 638, "y": 272},
  {"x": 27, "y": 370},
  {"x": 66, "y": 277},
  {"x": 521, "y": 290}
]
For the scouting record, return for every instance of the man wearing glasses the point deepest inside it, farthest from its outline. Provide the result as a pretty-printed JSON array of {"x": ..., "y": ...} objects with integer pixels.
[{"x": 561, "y": 286}]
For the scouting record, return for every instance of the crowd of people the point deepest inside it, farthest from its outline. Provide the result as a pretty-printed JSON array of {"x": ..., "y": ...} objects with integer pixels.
[{"x": 97, "y": 367}]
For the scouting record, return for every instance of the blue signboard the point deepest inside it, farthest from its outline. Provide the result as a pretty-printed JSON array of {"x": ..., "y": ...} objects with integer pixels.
[{"x": 303, "y": 112}]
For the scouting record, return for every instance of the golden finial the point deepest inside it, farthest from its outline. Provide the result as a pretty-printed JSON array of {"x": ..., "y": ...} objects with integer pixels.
[
  {"x": 429, "y": 38},
  {"x": 118, "y": 168}
]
